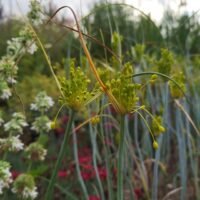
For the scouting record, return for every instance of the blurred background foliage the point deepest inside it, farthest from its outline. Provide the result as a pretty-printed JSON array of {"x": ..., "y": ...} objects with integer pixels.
[{"x": 143, "y": 38}]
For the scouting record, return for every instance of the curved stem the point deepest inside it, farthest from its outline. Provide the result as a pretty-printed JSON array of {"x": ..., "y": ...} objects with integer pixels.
[
  {"x": 120, "y": 164},
  {"x": 61, "y": 154}
]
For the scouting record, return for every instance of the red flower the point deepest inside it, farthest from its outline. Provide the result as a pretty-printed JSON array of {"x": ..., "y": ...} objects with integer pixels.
[
  {"x": 102, "y": 173},
  {"x": 62, "y": 174},
  {"x": 94, "y": 197},
  {"x": 87, "y": 166},
  {"x": 138, "y": 193},
  {"x": 87, "y": 175},
  {"x": 15, "y": 174},
  {"x": 85, "y": 159}
]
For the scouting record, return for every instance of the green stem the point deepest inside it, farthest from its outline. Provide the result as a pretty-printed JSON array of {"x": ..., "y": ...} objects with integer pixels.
[
  {"x": 120, "y": 164},
  {"x": 82, "y": 183},
  {"x": 29, "y": 166},
  {"x": 61, "y": 154}
]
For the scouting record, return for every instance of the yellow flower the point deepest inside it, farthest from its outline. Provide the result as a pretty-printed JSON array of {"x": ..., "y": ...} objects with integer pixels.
[
  {"x": 53, "y": 125},
  {"x": 155, "y": 145},
  {"x": 95, "y": 120}
]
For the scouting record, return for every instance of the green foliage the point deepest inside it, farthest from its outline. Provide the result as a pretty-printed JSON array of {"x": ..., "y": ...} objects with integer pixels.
[
  {"x": 30, "y": 86},
  {"x": 136, "y": 43}
]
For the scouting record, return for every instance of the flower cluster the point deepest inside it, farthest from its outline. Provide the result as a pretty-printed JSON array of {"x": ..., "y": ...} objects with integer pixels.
[
  {"x": 35, "y": 13},
  {"x": 8, "y": 69},
  {"x": 42, "y": 102},
  {"x": 5, "y": 175},
  {"x": 177, "y": 92},
  {"x": 75, "y": 89},
  {"x": 41, "y": 124},
  {"x": 12, "y": 143},
  {"x": 24, "y": 187},
  {"x": 124, "y": 90},
  {"x": 5, "y": 91},
  {"x": 35, "y": 152},
  {"x": 166, "y": 61},
  {"x": 156, "y": 125},
  {"x": 87, "y": 169},
  {"x": 16, "y": 47},
  {"x": 15, "y": 128},
  {"x": 16, "y": 124}
]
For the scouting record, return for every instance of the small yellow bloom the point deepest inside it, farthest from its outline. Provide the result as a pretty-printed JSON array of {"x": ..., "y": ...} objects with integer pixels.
[
  {"x": 53, "y": 125},
  {"x": 155, "y": 145},
  {"x": 95, "y": 120},
  {"x": 161, "y": 129}
]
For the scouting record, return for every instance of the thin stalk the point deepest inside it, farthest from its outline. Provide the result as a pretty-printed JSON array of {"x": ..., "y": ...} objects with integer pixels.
[
  {"x": 78, "y": 170},
  {"x": 61, "y": 154},
  {"x": 108, "y": 156},
  {"x": 94, "y": 155},
  {"x": 120, "y": 164}
]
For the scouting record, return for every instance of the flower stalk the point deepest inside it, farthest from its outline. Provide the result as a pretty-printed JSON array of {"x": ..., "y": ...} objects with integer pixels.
[
  {"x": 120, "y": 163},
  {"x": 50, "y": 189}
]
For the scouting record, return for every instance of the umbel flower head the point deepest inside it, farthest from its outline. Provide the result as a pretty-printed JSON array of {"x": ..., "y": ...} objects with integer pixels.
[
  {"x": 5, "y": 175},
  {"x": 36, "y": 152},
  {"x": 42, "y": 102},
  {"x": 41, "y": 124},
  {"x": 12, "y": 143},
  {"x": 166, "y": 61},
  {"x": 24, "y": 187},
  {"x": 16, "y": 124},
  {"x": 124, "y": 90},
  {"x": 75, "y": 89}
]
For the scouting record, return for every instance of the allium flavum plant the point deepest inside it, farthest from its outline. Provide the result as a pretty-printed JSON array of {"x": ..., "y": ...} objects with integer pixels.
[{"x": 106, "y": 140}]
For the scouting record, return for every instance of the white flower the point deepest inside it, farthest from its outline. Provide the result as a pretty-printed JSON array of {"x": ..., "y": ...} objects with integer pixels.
[
  {"x": 5, "y": 175},
  {"x": 8, "y": 68},
  {"x": 11, "y": 80},
  {"x": 35, "y": 14},
  {"x": 24, "y": 187},
  {"x": 16, "y": 124},
  {"x": 41, "y": 124},
  {"x": 31, "y": 47},
  {"x": 16, "y": 144},
  {"x": 5, "y": 94},
  {"x": 12, "y": 143},
  {"x": 14, "y": 46},
  {"x": 36, "y": 152},
  {"x": 42, "y": 102},
  {"x": 28, "y": 193}
]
